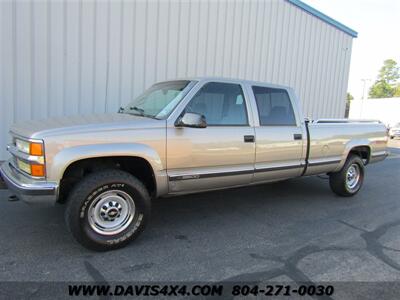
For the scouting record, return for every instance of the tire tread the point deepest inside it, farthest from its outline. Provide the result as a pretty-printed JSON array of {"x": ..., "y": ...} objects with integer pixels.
[
  {"x": 79, "y": 194},
  {"x": 337, "y": 180}
]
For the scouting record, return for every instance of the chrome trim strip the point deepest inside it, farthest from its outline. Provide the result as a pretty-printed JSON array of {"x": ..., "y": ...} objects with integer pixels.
[
  {"x": 25, "y": 157},
  {"x": 322, "y": 163},
  {"x": 271, "y": 169},
  {"x": 208, "y": 175},
  {"x": 16, "y": 135},
  {"x": 332, "y": 121},
  {"x": 231, "y": 173},
  {"x": 260, "y": 170}
]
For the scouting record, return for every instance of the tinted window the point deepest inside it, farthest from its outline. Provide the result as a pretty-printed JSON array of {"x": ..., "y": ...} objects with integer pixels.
[
  {"x": 220, "y": 103},
  {"x": 274, "y": 106}
]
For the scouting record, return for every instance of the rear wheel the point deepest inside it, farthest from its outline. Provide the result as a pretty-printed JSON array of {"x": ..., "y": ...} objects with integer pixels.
[
  {"x": 107, "y": 210},
  {"x": 348, "y": 181}
]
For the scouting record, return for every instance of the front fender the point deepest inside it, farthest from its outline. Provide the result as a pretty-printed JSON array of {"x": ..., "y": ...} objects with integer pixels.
[{"x": 67, "y": 156}]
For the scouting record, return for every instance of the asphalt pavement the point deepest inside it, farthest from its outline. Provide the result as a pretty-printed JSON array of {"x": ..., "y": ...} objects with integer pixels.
[{"x": 288, "y": 230}]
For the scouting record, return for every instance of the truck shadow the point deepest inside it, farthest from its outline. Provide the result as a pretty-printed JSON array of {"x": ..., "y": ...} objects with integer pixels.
[
  {"x": 177, "y": 217},
  {"x": 289, "y": 194}
]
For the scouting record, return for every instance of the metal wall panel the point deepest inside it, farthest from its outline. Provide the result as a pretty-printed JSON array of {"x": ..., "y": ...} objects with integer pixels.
[{"x": 78, "y": 57}]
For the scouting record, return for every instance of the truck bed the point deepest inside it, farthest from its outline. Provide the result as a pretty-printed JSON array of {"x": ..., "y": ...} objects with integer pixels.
[{"x": 330, "y": 141}]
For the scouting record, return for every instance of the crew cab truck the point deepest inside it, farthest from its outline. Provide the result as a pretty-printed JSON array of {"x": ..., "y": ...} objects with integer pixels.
[{"x": 179, "y": 137}]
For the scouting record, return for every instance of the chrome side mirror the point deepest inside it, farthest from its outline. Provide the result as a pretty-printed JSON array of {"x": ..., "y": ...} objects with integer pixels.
[{"x": 192, "y": 120}]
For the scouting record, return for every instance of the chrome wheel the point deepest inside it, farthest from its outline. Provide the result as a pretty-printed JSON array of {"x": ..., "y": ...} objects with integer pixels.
[
  {"x": 353, "y": 176},
  {"x": 111, "y": 212}
]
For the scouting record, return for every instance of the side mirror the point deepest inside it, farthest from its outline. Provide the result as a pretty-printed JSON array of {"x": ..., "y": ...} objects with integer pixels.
[{"x": 192, "y": 120}]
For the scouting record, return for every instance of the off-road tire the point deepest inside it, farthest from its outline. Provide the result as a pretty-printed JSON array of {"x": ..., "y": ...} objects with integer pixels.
[{"x": 88, "y": 190}]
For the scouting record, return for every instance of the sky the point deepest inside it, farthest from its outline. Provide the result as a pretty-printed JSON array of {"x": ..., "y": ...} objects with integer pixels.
[{"x": 378, "y": 25}]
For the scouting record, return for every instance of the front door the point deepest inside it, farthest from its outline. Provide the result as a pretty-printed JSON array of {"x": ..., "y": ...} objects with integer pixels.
[{"x": 220, "y": 155}]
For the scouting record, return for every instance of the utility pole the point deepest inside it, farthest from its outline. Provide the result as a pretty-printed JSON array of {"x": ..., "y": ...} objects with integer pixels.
[{"x": 364, "y": 80}]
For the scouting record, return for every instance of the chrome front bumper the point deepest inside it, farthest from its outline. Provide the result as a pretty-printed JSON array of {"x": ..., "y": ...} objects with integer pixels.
[{"x": 28, "y": 189}]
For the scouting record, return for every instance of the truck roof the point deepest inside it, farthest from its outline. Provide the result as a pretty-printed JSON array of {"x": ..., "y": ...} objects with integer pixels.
[{"x": 233, "y": 80}]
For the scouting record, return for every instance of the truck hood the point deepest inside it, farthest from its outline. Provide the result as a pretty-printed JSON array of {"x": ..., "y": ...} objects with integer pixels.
[{"x": 86, "y": 123}]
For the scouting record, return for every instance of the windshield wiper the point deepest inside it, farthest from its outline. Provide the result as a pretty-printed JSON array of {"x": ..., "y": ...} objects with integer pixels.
[{"x": 141, "y": 112}]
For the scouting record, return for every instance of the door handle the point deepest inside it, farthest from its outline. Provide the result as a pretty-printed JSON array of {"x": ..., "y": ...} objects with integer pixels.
[
  {"x": 249, "y": 138},
  {"x": 298, "y": 136}
]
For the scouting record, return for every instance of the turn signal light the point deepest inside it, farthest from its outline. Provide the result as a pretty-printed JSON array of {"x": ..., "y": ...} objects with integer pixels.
[
  {"x": 36, "y": 149},
  {"x": 37, "y": 170}
]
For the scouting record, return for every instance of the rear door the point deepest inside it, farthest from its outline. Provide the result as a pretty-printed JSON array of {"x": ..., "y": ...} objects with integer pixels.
[
  {"x": 220, "y": 155},
  {"x": 279, "y": 135}
]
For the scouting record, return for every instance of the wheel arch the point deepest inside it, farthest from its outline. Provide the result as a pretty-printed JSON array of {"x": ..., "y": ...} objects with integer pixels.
[
  {"x": 139, "y": 160},
  {"x": 361, "y": 148},
  {"x": 363, "y": 151}
]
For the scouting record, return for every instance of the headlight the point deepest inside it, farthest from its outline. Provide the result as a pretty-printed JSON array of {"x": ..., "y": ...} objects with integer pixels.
[
  {"x": 32, "y": 159},
  {"x": 22, "y": 146},
  {"x": 30, "y": 148},
  {"x": 31, "y": 169},
  {"x": 23, "y": 166}
]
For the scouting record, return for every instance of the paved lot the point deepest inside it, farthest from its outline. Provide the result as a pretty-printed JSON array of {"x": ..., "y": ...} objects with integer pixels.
[{"x": 294, "y": 230}]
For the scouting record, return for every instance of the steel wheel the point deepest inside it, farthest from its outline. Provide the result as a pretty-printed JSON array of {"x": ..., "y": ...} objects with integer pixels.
[
  {"x": 111, "y": 212},
  {"x": 353, "y": 176},
  {"x": 348, "y": 181}
]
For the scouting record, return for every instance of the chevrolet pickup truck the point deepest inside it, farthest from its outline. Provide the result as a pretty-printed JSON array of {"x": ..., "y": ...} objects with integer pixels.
[{"x": 179, "y": 137}]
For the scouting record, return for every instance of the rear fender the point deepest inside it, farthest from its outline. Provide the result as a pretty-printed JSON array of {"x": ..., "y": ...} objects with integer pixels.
[{"x": 349, "y": 146}]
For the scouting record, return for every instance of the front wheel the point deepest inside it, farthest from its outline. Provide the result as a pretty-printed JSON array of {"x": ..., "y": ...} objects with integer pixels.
[
  {"x": 107, "y": 210},
  {"x": 348, "y": 181}
]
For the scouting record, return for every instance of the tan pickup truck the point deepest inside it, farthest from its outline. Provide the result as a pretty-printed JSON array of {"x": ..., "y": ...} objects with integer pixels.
[{"x": 179, "y": 137}]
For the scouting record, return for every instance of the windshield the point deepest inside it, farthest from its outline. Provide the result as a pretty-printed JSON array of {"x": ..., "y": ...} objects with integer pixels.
[{"x": 159, "y": 100}]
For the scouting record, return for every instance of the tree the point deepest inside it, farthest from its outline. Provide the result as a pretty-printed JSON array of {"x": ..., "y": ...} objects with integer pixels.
[
  {"x": 397, "y": 91},
  {"x": 349, "y": 97},
  {"x": 390, "y": 72},
  {"x": 381, "y": 89},
  {"x": 386, "y": 84}
]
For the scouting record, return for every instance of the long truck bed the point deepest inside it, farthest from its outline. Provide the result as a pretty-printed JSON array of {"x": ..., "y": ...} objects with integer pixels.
[{"x": 330, "y": 140}]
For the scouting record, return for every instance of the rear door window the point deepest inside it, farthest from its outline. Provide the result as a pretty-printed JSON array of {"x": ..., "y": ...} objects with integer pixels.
[{"x": 274, "y": 106}]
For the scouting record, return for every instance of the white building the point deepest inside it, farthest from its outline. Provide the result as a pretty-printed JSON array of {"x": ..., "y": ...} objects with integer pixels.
[
  {"x": 386, "y": 110},
  {"x": 78, "y": 57}
]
